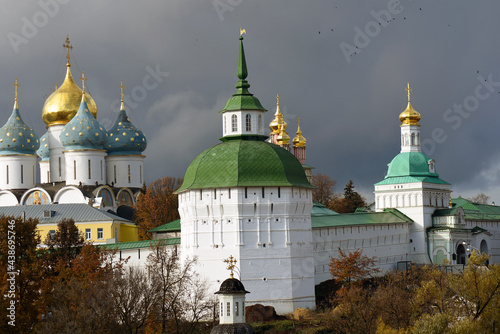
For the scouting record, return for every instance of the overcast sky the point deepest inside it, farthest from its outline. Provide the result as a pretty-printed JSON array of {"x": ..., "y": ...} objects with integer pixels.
[{"x": 178, "y": 61}]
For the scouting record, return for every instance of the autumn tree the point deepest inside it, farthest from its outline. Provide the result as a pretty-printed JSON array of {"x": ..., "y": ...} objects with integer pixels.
[
  {"x": 350, "y": 202},
  {"x": 157, "y": 205},
  {"x": 181, "y": 293},
  {"x": 325, "y": 188},
  {"x": 480, "y": 198},
  {"x": 66, "y": 242},
  {"x": 135, "y": 296},
  {"x": 352, "y": 267},
  {"x": 81, "y": 295},
  {"x": 21, "y": 274}
]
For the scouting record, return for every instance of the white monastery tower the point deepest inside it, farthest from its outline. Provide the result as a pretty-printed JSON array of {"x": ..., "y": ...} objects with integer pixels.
[
  {"x": 412, "y": 185},
  {"x": 250, "y": 198}
]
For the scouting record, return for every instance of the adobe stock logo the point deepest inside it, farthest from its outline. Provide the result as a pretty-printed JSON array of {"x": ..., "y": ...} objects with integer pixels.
[
  {"x": 455, "y": 116},
  {"x": 372, "y": 29},
  {"x": 30, "y": 28},
  {"x": 222, "y": 6}
]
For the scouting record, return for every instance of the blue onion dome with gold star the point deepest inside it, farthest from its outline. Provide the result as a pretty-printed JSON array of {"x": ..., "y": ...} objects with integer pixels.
[
  {"x": 15, "y": 136},
  {"x": 43, "y": 151},
  {"x": 124, "y": 137},
  {"x": 83, "y": 131}
]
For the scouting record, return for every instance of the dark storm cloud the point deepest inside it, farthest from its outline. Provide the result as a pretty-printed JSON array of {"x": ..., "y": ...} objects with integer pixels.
[{"x": 348, "y": 101}]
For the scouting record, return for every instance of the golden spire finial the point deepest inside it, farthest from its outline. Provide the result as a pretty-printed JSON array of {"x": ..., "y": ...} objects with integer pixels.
[
  {"x": 231, "y": 261},
  {"x": 277, "y": 99},
  {"x": 16, "y": 85},
  {"x": 242, "y": 31},
  {"x": 122, "y": 87},
  {"x": 83, "y": 81},
  {"x": 408, "y": 89},
  {"x": 67, "y": 46}
]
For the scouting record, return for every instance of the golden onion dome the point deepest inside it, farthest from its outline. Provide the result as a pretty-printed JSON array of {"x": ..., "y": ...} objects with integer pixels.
[
  {"x": 63, "y": 103},
  {"x": 299, "y": 140},
  {"x": 283, "y": 137},
  {"x": 410, "y": 116},
  {"x": 276, "y": 123}
]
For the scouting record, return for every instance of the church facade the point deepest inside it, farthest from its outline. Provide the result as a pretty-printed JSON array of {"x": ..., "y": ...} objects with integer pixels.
[{"x": 80, "y": 162}]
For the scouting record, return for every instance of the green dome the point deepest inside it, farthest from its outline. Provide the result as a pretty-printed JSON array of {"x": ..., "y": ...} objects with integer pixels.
[
  {"x": 410, "y": 164},
  {"x": 244, "y": 163}
]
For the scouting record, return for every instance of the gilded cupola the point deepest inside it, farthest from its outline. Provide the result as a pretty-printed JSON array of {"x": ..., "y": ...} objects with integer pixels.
[
  {"x": 410, "y": 116},
  {"x": 299, "y": 140},
  {"x": 63, "y": 103},
  {"x": 276, "y": 123}
]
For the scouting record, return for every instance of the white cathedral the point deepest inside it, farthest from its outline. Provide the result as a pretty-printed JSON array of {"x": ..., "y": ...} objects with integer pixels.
[
  {"x": 80, "y": 163},
  {"x": 250, "y": 197}
]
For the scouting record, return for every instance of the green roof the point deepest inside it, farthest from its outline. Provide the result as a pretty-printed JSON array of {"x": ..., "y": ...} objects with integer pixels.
[
  {"x": 244, "y": 163},
  {"x": 411, "y": 179},
  {"x": 141, "y": 244},
  {"x": 389, "y": 216},
  {"x": 172, "y": 226},
  {"x": 472, "y": 211},
  {"x": 319, "y": 209},
  {"x": 408, "y": 167}
]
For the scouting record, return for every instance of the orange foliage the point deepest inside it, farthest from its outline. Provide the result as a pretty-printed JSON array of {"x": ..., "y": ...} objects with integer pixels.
[
  {"x": 352, "y": 266},
  {"x": 157, "y": 205}
]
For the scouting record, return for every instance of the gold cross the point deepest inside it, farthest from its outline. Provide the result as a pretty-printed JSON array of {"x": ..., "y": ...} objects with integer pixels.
[
  {"x": 83, "y": 81},
  {"x": 16, "y": 85},
  {"x": 408, "y": 89},
  {"x": 122, "y": 87},
  {"x": 242, "y": 31},
  {"x": 67, "y": 46},
  {"x": 231, "y": 264}
]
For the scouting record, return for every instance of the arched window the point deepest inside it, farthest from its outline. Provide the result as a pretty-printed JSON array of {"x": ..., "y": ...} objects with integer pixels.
[
  {"x": 413, "y": 139},
  {"x": 248, "y": 122},
  {"x": 234, "y": 123},
  {"x": 260, "y": 123}
]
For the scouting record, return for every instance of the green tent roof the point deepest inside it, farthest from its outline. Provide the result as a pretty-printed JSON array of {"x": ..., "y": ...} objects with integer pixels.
[
  {"x": 244, "y": 163},
  {"x": 242, "y": 99}
]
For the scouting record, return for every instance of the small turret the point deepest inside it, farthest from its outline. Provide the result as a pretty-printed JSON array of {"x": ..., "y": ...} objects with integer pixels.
[
  {"x": 299, "y": 145},
  {"x": 232, "y": 305}
]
